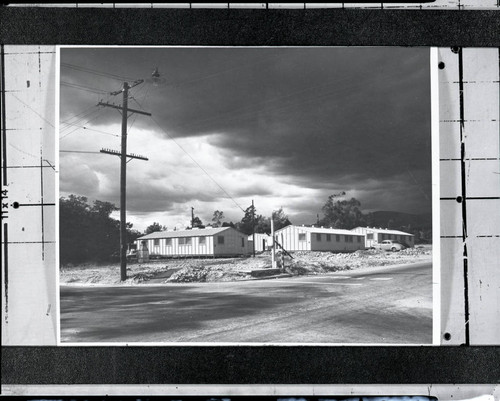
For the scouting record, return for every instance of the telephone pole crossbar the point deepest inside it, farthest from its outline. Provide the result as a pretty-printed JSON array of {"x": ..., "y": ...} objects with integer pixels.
[
  {"x": 114, "y": 106},
  {"x": 117, "y": 153},
  {"x": 123, "y": 170}
]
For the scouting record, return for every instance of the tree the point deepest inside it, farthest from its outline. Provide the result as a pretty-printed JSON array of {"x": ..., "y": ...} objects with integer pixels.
[
  {"x": 262, "y": 224},
  {"x": 342, "y": 213},
  {"x": 280, "y": 219},
  {"x": 155, "y": 227},
  {"x": 217, "y": 218},
  {"x": 246, "y": 225},
  {"x": 74, "y": 229},
  {"x": 132, "y": 234},
  {"x": 87, "y": 232},
  {"x": 197, "y": 223}
]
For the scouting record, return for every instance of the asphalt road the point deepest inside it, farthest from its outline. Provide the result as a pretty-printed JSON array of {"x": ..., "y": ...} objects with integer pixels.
[{"x": 383, "y": 305}]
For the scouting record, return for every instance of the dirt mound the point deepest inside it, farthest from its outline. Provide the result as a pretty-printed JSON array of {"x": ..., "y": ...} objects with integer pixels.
[
  {"x": 234, "y": 269},
  {"x": 203, "y": 274}
]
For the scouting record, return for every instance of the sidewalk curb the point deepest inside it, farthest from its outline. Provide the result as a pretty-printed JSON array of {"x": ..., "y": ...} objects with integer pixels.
[{"x": 277, "y": 276}]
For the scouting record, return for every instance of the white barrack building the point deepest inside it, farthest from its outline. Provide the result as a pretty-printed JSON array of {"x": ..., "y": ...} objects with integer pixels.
[
  {"x": 222, "y": 241},
  {"x": 301, "y": 238},
  {"x": 262, "y": 242},
  {"x": 374, "y": 236}
]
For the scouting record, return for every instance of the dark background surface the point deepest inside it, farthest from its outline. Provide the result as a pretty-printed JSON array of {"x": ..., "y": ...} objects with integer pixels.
[
  {"x": 327, "y": 27},
  {"x": 250, "y": 365}
]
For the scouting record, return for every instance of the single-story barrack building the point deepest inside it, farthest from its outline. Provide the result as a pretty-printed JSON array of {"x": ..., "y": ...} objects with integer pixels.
[
  {"x": 374, "y": 236},
  {"x": 221, "y": 241},
  {"x": 303, "y": 238},
  {"x": 263, "y": 242}
]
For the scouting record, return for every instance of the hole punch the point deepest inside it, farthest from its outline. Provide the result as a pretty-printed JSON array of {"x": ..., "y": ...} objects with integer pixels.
[
  {"x": 16, "y": 205},
  {"x": 447, "y": 336},
  {"x": 441, "y": 65},
  {"x": 455, "y": 49},
  {"x": 459, "y": 199}
]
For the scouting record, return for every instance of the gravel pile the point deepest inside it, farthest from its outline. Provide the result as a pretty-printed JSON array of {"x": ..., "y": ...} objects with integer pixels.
[
  {"x": 201, "y": 274},
  {"x": 234, "y": 269}
]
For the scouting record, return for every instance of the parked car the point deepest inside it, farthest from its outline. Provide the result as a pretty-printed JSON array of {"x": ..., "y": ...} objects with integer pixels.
[
  {"x": 389, "y": 245},
  {"x": 155, "y": 256},
  {"x": 132, "y": 254},
  {"x": 115, "y": 256}
]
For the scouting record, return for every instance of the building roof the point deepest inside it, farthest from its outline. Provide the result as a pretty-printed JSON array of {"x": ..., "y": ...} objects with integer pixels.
[
  {"x": 321, "y": 230},
  {"x": 258, "y": 235},
  {"x": 385, "y": 231},
  {"x": 197, "y": 232}
]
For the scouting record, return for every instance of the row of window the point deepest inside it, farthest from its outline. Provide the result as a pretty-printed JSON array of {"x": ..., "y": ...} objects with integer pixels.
[
  {"x": 389, "y": 236},
  {"x": 189, "y": 241},
  {"x": 396, "y": 237},
  {"x": 347, "y": 238}
]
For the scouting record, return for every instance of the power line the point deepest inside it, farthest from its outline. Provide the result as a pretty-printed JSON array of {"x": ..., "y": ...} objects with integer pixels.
[
  {"x": 77, "y": 115},
  {"x": 84, "y": 88},
  {"x": 195, "y": 162},
  {"x": 86, "y": 122},
  {"x": 80, "y": 120},
  {"x": 96, "y": 72},
  {"x": 140, "y": 105},
  {"x": 79, "y": 151},
  {"x": 93, "y": 129},
  {"x": 246, "y": 111},
  {"x": 221, "y": 72}
]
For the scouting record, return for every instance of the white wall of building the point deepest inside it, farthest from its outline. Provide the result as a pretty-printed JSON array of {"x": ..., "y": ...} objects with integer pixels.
[
  {"x": 233, "y": 243},
  {"x": 262, "y": 242},
  {"x": 224, "y": 243},
  {"x": 373, "y": 236},
  {"x": 294, "y": 238},
  {"x": 183, "y": 246},
  {"x": 336, "y": 242},
  {"x": 297, "y": 238}
]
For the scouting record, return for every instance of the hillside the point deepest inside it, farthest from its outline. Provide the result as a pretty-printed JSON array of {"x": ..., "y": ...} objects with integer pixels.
[
  {"x": 419, "y": 225},
  {"x": 399, "y": 219}
]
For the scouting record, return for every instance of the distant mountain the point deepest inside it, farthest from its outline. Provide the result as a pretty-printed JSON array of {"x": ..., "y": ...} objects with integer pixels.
[
  {"x": 398, "y": 220},
  {"x": 419, "y": 225}
]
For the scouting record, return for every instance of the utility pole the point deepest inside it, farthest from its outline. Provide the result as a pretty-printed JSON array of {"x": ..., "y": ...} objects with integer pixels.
[
  {"x": 123, "y": 187},
  {"x": 253, "y": 228},
  {"x": 192, "y": 217},
  {"x": 273, "y": 250},
  {"x": 123, "y": 170}
]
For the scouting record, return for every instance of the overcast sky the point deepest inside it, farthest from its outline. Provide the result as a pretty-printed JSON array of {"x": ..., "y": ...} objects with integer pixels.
[{"x": 286, "y": 127}]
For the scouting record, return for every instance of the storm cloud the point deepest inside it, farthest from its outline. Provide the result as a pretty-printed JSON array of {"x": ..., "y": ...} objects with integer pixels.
[{"x": 276, "y": 123}]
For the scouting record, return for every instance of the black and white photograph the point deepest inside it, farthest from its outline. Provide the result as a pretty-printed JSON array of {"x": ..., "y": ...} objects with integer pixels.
[{"x": 253, "y": 195}]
